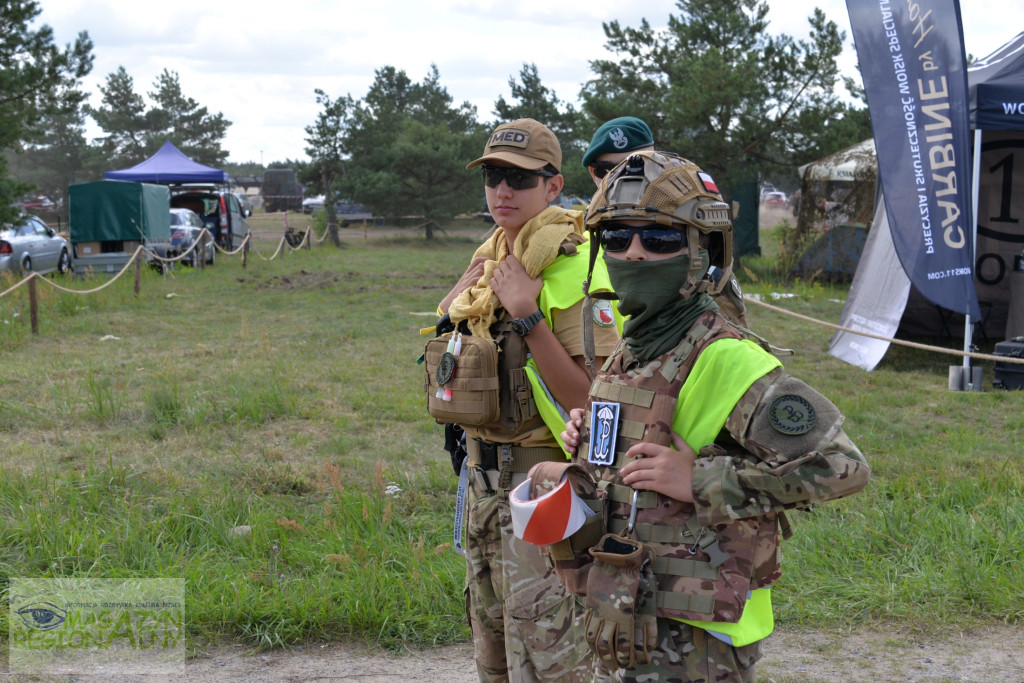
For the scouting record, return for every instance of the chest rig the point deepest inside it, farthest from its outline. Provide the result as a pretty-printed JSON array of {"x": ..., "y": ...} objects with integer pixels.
[
  {"x": 516, "y": 405},
  {"x": 703, "y": 573}
]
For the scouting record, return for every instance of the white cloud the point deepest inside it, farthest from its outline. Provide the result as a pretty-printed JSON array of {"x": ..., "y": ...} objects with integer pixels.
[{"x": 259, "y": 63}]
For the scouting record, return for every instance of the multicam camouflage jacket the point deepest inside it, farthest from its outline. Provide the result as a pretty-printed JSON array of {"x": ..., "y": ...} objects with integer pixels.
[{"x": 779, "y": 446}]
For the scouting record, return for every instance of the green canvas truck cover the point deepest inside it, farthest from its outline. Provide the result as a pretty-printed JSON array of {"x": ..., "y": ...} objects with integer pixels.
[{"x": 119, "y": 210}]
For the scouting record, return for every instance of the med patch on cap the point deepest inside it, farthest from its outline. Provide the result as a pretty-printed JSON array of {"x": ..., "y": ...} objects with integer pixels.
[{"x": 524, "y": 143}]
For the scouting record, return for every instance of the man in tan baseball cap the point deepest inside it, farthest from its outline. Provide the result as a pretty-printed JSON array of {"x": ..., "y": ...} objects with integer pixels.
[
  {"x": 524, "y": 143},
  {"x": 522, "y": 289}
]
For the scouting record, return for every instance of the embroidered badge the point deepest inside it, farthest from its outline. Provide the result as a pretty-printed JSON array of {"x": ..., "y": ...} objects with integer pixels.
[
  {"x": 445, "y": 368},
  {"x": 604, "y": 430},
  {"x": 603, "y": 316},
  {"x": 618, "y": 138},
  {"x": 792, "y": 415}
]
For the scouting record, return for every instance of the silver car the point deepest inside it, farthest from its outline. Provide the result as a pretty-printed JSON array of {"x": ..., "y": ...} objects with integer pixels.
[{"x": 29, "y": 244}]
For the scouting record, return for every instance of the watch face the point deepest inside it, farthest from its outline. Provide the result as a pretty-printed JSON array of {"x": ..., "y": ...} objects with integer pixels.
[{"x": 519, "y": 327}]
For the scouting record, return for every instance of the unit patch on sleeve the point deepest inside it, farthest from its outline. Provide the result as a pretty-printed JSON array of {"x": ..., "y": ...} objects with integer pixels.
[
  {"x": 603, "y": 316},
  {"x": 604, "y": 431},
  {"x": 792, "y": 415}
]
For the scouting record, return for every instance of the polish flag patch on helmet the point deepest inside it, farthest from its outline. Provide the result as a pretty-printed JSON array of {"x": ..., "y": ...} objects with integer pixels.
[{"x": 708, "y": 181}]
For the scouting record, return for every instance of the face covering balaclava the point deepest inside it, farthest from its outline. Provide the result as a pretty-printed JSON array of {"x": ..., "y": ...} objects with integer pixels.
[{"x": 649, "y": 295}]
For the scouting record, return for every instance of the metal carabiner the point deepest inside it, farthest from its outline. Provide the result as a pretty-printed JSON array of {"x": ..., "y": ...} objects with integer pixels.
[
  {"x": 696, "y": 544},
  {"x": 632, "y": 513}
]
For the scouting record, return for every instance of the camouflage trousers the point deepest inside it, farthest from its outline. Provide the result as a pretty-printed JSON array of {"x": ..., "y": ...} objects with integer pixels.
[
  {"x": 687, "y": 654},
  {"x": 526, "y": 626}
]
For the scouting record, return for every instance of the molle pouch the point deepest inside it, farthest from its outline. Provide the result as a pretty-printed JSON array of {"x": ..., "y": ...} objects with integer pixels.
[
  {"x": 461, "y": 381},
  {"x": 570, "y": 555},
  {"x": 621, "y": 627}
]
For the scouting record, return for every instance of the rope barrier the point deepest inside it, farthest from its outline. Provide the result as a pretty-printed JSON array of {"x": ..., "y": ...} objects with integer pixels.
[
  {"x": 899, "y": 342},
  {"x": 76, "y": 291},
  {"x": 307, "y": 240}
]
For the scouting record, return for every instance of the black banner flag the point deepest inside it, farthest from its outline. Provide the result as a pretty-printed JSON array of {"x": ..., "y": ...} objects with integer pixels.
[{"x": 912, "y": 61}]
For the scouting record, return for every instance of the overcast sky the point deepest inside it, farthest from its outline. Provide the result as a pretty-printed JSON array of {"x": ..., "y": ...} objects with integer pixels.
[{"x": 258, "y": 63}]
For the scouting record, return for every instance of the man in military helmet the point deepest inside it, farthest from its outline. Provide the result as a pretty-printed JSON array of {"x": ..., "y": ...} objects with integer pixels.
[
  {"x": 699, "y": 438},
  {"x": 617, "y": 139},
  {"x": 522, "y": 289}
]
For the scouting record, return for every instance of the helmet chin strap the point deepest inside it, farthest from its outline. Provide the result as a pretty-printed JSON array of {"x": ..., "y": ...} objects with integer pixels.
[{"x": 695, "y": 283}]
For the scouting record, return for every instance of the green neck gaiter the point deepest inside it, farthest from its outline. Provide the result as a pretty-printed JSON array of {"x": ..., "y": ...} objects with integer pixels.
[{"x": 649, "y": 295}]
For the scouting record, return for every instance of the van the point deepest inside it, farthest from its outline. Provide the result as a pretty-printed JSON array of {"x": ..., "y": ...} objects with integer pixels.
[{"x": 219, "y": 210}]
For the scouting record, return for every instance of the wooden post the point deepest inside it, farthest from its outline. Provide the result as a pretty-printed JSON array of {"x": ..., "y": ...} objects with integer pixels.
[
  {"x": 245, "y": 251},
  {"x": 33, "y": 304},
  {"x": 138, "y": 272},
  {"x": 201, "y": 254}
]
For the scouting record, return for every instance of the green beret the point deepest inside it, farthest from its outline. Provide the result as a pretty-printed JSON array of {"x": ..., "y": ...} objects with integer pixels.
[{"x": 623, "y": 134}]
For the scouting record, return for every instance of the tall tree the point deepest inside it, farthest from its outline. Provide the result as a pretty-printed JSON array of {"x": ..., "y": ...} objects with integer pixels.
[
  {"x": 717, "y": 88},
  {"x": 409, "y": 145},
  {"x": 37, "y": 79},
  {"x": 183, "y": 121},
  {"x": 122, "y": 115},
  {"x": 536, "y": 101},
  {"x": 57, "y": 156},
  {"x": 325, "y": 141},
  {"x": 135, "y": 131}
]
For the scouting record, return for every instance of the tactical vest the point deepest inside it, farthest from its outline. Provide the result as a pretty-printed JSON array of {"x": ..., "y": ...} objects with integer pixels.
[{"x": 703, "y": 573}]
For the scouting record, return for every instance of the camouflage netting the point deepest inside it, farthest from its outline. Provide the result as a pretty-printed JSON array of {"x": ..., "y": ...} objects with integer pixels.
[{"x": 838, "y": 190}]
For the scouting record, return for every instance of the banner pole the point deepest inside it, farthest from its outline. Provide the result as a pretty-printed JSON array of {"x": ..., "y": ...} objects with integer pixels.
[
  {"x": 968, "y": 378},
  {"x": 976, "y": 171}
]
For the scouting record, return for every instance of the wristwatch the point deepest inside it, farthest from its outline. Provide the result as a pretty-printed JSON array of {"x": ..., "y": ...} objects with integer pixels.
[{"x": 522, "y": 326}]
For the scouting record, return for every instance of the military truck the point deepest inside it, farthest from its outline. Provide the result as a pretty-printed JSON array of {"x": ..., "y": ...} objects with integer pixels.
[{"x": 281, "y": 190}]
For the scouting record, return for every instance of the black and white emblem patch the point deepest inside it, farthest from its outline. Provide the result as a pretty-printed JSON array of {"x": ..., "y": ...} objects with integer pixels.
[
  {"x": 604, "y": 430},
  {"x": 792, "y": 415},
  {"x": 445, "y": 368}
]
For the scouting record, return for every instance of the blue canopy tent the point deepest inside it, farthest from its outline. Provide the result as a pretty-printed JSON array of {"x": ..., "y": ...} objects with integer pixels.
[{"x": 169, "y": 165}]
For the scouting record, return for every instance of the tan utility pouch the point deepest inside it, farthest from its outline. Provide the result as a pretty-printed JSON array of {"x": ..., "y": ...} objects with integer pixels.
[
  {"x": 470, "y": 380},
  {"x": 570, "y": 558}
]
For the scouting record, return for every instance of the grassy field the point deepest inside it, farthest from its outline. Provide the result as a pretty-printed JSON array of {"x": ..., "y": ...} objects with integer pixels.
[{"x": 261, "y": 433}]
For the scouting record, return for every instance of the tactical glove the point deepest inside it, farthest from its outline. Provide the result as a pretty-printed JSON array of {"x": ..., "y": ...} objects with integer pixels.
[{"x": 620, "y": 622}]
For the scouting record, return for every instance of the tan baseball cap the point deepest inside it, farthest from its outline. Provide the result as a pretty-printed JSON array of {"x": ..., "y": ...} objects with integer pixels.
[{"x": 524, "y": 143}]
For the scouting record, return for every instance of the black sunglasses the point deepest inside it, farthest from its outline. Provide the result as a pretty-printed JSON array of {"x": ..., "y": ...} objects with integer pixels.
[
  {"x": 516, "y": 178},
  {"x": 602, "y": 168},
  {"x": 657, "y": 239}
]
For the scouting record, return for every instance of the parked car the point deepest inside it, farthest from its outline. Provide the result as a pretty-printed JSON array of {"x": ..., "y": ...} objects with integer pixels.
[
  {"x": 186, "y": 226},
  {"x": 349, "y": 213},
  {"x": 311, "y": 204},
  {"x": 775, "y": 200},
  {"x": 29, "y": 244},
  {"x": 245, "y": 203},
  {"x": 37, "y": 203},
  {"x": 218, "y": 209}
]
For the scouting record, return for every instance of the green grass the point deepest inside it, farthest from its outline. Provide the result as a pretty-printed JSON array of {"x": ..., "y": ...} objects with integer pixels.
[{"x": 243, "y": 426}]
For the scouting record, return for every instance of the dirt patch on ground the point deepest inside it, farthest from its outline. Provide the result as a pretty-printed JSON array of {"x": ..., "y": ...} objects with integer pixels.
[{"x": 990, "y": 655}]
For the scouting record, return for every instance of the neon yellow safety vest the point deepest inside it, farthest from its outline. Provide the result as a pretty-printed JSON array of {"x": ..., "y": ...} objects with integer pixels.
[
  {"x": 563, "y": 287},
  {"x": 705, "y": 401}
]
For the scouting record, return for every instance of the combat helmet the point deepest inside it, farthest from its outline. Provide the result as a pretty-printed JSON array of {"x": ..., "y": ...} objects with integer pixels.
[{"x": 669, "y": 190}]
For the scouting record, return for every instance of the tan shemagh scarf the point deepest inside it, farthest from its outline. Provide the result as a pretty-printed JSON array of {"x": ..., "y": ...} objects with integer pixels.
[{"x": 536, "y": 247}]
